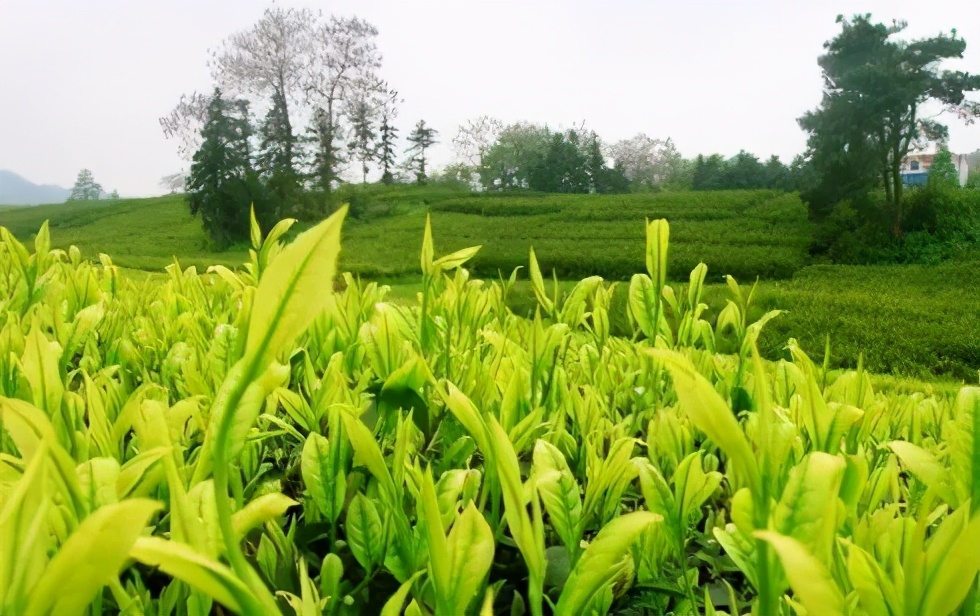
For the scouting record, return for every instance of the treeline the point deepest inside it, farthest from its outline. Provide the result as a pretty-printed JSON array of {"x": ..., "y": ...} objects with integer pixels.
[{"x": 527, "y": 156}]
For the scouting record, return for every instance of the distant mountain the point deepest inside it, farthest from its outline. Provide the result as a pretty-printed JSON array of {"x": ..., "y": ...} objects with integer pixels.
[{"x": 15, "y": 190}]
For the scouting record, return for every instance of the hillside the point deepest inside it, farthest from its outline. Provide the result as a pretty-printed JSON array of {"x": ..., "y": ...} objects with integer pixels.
[
  {"x": 16, "y": 190},
  {"x": 898, "y": 316},
  {"x": 745, "y": 234}
]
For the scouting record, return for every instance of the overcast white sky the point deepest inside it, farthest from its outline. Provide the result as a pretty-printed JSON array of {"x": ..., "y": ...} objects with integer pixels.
[{"x": 83, "y": 82}]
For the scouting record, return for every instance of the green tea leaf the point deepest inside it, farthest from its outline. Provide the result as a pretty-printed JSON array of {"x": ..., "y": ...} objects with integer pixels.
[
  {"x": 365, "y": 533},
  {"x": 597, "y": 567},
  {"x": 393, "y": 606},
  {"x": 90, "y": 558},
  {"x": 261, "y": 510},
  {"x": 209, "y": 576},
  {"x": 709, "y": 412},
  {"x": 295, "y": 288},
  {"x": 809, "y": 578},
  {"x": 324, "y": 483},
  {"x": 471, "y": 549},
  {"x": 927, "y": 469}
]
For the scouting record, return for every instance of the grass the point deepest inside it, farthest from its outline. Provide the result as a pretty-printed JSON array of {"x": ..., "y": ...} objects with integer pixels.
[{"x": 915, "y": 321}]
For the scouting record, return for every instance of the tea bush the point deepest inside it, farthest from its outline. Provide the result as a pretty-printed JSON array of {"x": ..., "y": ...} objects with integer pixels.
[{"x": 251, "y": 441}]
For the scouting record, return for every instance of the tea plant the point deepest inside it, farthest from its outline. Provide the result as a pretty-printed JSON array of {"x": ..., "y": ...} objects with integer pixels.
[{"x": 275, "y": 440}]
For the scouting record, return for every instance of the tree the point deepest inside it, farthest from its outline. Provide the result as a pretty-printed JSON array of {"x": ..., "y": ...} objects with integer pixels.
[
  {"x": 174, "y": 182},
  {"x": 943, "y": 172},
  {"x": 222, "y": 183},
  {"x": 744, "y": 171},
  {"x": 647, "y": 162},
  {"x": 595, "y": 165},
  {"x": 421, "y": 139},
  {"x": 973, "y": 180},
  {"x": 475, "y": 138},
  {"x": 113, "y": 196},
  {"x": 385, "y": 147},
  {"x": 362, "y": 144},
  {"x": 296, "y": 64},
  {"x": 869, "y": 118},
  {"x": 184, "y": 123},
  {"x": 276, "y": 156},
  {"x": 268, "y": 59},
  {"x": 85, "y": 188},
  {"x": 777, "y": 175},
  {"x": 343, "y": 64},
  {"x": 327, "y": 155},
  {"x": 508, "y": 163},
  {"x": 459, "y": 175},
  {"x": 602, "y": 179},
  {"x": 709, "y": 173},
  {"x": 563, "y": 168}
]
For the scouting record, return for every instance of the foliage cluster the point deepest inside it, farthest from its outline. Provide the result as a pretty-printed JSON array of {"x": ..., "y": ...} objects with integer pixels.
[{"x": 253, "y": 439}]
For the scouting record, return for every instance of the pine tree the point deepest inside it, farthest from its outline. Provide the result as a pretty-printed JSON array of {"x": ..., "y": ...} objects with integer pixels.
[
  {"x": 85, "y": 188},
  {"x": 222, "y": 184},
  {"x": 361, "y": 145},
  {"x": 385, "y": 147},
  {"x": 327, "y": 157},
  {"x": 421, "y": 139},
  {"x": 275, "y": 160},
  {"x": 595, "y": 165}
]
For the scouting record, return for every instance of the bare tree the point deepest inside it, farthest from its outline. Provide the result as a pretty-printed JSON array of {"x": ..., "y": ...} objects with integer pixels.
[
  {"x": 344, "y": 60},
  {"x": 475, "y": 138},
  {"x": 175, "y": 182},
  {"x": 268, "y": 58},
  {"x": 185, "y": 121}
]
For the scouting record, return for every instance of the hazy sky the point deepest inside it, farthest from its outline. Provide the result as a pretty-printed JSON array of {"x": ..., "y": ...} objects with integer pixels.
[{"x": 83, "y": 82}]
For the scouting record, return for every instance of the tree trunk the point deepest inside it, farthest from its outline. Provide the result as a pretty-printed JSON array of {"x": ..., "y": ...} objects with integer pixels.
[
  {"x": 886, "y": 179},
  {"x": 897, "y": 196}
]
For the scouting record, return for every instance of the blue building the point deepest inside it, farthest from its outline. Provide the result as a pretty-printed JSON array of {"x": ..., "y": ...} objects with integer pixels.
[
  {"x": 915, "y": 168},
  {"x": 915, "y": 178}
]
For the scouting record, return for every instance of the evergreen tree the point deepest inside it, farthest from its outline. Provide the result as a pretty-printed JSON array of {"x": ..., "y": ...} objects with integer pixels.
[
  {"x": 421, "y": 138},
  {"x": 595, "y": 165},
  {"x": 327, "y": 157},
  {"x": 386, "y": 148},
  {"x": 275, "y": 160},
  {"x": 562, "y": 169},
  {"x": 361, "y": 145},
  {"x": 222, "y": 184},
  {"x": 777, "y": 175},
  {"x": 85, "y": 188},
  {"x": 387, "y": 134}
]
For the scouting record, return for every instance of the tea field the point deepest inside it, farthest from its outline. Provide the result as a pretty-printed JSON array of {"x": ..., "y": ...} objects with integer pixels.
[
  {"x": 919, "y": 322},
  {"x": 251, "y": 441}
]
